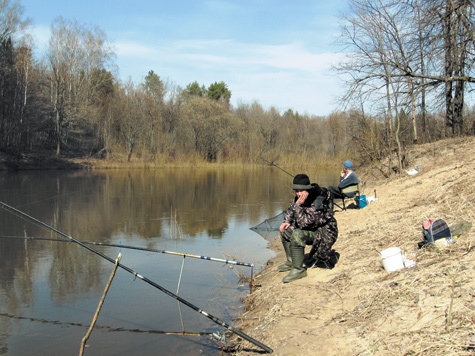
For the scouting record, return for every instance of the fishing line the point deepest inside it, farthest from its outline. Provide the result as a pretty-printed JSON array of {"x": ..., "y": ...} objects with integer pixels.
[
  {"x": 143, "y": 278},
  {"x": 104, "y": 327},
  {"x": 53, "y": 197}
]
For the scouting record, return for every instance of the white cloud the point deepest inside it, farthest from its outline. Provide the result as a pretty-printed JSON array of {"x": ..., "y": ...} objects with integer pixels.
[
  {"x": 283, "y": 90},
  {"x": 284, "y": 76},
  {"x": 133, "y": 50},
  {"x": 242, "y": 55}
]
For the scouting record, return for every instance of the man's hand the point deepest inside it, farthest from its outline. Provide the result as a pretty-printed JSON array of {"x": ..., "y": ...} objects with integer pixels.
[
  {"x": 283, "y": 226},
  {"x": 302, "y": 196}
]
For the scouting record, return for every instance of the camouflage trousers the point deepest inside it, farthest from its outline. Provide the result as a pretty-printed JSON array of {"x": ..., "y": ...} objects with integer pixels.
[{"x": 321, "y": 240}]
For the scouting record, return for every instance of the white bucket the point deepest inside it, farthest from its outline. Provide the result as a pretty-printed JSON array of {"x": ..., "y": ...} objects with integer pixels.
[{"x": 392, "y": 259}]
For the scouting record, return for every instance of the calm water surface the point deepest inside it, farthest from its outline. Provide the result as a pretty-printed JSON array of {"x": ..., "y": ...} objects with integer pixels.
[{"x": 49, "y": 291}]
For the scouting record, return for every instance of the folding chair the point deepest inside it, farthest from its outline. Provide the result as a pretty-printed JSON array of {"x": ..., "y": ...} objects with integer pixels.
[{"x": 351, "y": 192}]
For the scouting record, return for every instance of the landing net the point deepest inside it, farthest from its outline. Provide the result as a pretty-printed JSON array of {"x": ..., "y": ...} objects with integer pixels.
[{"x": 269, "y": 228}]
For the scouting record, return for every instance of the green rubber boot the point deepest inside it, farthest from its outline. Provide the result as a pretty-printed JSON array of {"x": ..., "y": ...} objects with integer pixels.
[
  {"x": 287, "y": 266},
  {"x": 297, "y": 271}
]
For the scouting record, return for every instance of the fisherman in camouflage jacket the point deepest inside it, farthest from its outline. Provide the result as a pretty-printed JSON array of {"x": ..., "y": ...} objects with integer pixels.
[{"x": 307, "y": 222}]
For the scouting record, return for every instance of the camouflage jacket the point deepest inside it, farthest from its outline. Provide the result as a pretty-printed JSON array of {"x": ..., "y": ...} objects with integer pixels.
[{"x": 306, "y": 216}]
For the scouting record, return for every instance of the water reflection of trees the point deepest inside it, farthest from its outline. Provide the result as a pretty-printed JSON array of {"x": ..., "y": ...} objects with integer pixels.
[
  {"x": 96, "y": 206},
  {"x": 17, "y": 265},
  {"x": 147, "y": 203}
]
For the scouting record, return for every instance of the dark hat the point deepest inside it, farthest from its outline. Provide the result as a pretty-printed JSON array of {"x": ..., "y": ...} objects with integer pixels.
[
  {"x": 302, "y": 182},
  {"x": 348, "y": 164}
]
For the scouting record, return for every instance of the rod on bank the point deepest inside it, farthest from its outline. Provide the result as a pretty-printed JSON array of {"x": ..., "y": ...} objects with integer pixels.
[
  {"x": 143, "y": 278},
  {"x": 206, "y": 258},
  {"x": 230, "y": 262}
]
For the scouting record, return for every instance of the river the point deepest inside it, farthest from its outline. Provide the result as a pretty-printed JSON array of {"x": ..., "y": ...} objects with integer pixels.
[{"x": 50, "y": 290}]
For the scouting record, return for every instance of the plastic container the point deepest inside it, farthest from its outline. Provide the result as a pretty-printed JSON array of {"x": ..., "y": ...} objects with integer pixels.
[
  {"x": 361, "y": 201},
  {"x": 443, "y": 242},
  {"x": 392, "y": 259}
]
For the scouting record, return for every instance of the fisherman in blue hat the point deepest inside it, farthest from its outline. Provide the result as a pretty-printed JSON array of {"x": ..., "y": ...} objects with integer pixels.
[
  {"x": 348, "y": 183},
  {"x": 306, "y": 223}
]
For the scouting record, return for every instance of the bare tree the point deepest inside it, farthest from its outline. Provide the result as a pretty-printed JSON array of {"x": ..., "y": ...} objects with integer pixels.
[
  {"x": 11, "y": 23},
  {"x": 15, "y": 64},
  {"x": 396, "y": 50},
  {"x": 75, "y": 52},
  {"x": 458, "y": 35},
  {"x": 131, "y": 117},
  {"x": 378, "y": 44}
]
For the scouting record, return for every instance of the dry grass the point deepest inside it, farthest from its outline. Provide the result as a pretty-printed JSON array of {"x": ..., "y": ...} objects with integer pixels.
[{"x": 238, "y": 270}]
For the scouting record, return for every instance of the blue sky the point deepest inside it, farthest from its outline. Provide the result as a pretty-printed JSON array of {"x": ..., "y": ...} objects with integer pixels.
[{"x": 277, "y": 52}]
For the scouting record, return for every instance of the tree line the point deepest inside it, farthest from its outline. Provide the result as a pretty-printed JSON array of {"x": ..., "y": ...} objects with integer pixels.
[{"x": 403, "y": 59}]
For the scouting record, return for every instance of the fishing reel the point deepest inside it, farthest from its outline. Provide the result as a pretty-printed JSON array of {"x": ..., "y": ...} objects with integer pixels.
[{"x": 220, "y": 337}]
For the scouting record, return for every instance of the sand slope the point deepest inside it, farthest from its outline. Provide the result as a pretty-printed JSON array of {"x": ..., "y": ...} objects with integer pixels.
[{"x": 358, "y": 308}]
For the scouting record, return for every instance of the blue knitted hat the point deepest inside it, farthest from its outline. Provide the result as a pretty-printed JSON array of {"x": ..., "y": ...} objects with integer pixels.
[{"x": 348, "y": 164}]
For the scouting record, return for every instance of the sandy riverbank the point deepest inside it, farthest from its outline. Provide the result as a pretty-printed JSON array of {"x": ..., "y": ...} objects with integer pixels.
[{"x": 358, "y": 308}]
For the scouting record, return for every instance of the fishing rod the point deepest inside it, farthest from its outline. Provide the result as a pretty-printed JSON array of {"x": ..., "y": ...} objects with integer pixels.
[
  {"x": 230, "y": 262},
  {"x": 273, "y": 164},
  {"x": 143, "y": 278}
]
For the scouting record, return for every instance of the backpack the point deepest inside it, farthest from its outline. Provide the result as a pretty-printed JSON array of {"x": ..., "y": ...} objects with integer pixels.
[
  {"x": 323, "y": 200},
  {"x": 436, "y": 232}
]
